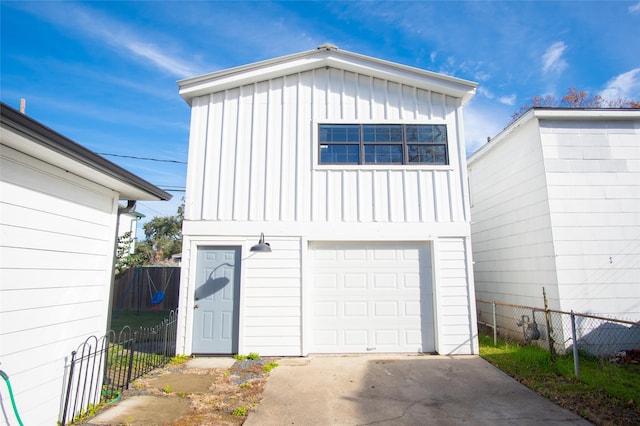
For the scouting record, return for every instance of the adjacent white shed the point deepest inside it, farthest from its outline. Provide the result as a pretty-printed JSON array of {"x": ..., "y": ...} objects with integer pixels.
[
  {"x": 354, "y": 168},
  {"x": 58, "y": 223},
  {"x": 556, "y": 204}
]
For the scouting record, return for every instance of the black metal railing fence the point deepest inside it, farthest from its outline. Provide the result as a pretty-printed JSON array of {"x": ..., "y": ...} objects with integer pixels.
[{"x": 104, "y": 366}]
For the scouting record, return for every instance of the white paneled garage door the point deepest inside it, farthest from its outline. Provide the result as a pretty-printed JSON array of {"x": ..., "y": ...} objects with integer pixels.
[{"x": 371, "y": 297}]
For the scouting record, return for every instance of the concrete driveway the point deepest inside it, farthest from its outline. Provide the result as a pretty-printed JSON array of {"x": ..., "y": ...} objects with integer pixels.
[{"x": 400, "y": 390}]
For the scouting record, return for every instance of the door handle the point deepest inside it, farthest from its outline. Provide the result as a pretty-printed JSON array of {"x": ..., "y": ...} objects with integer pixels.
[{"x": 196, "y": 306}]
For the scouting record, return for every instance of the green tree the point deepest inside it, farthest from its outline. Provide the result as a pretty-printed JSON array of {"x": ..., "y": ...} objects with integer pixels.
[
  {"x": 163, "y": 238},
  {"x": 124, "y": 258}
]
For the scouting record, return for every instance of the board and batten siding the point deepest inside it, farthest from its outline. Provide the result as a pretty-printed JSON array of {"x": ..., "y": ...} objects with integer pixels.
[
  {"x": 253, "y": 154},
  {"x": 511, "y": 229},
  {"x": 593, "y": 177},
  {"x": 56, "y": 233},
  {"x": 253, "y": 167}
]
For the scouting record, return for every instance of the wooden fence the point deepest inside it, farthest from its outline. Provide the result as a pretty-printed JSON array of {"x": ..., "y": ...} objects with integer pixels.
[{"x": 137, "y": 289}]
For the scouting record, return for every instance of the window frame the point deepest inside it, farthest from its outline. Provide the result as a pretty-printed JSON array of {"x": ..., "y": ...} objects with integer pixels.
[{"x": 362, "y": 144}]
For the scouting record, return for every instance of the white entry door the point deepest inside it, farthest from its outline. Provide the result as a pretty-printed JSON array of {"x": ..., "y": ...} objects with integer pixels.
[{"x": 371, "y": 297}]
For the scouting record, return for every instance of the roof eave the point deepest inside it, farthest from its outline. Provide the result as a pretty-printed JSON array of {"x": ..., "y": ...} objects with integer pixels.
[
  {"x": 586, "y": 113},
  {"x": 555, "y": 113},
  {"x": 309, "y": 60},
  {"x": 31, "y": 137}
]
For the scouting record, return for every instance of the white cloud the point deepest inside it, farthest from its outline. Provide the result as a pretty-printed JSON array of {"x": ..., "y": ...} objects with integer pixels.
[
  {"x": 552, "y": 58},
  {"x": 625, "y": 86},
  {"x": 157, "y": 57},
  {"x": 433, "y": 56},
  {"x": 122, "y": 38},
  {"x": 508, "y": 100},
  {"x": 483, "y": 91},
  {"x": 482, "y": 76},
  {"x": 634, "y": 8}
]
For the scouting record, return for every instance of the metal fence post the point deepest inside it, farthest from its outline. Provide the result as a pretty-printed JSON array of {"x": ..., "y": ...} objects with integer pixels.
[
  {"x": 130, "y": 369},
  {"x": 576, "y": 357},
  {"x": 495, "y": 325},
  {"x": 547, "y": 314},
  {"x": 68, "y": 395}
]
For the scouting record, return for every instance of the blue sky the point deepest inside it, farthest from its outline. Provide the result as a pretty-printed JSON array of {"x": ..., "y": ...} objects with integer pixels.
[{"x": 104, "y": 73}]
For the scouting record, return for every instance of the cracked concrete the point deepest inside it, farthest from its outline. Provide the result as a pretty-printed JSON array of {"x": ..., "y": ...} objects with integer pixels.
[{"x": 400, "y": 390}]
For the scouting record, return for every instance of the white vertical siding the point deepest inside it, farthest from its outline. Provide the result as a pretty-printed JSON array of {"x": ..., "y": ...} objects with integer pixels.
[
  {"x": 511, "y": 230},
  {"x": 273, "y": 184},
  {"x": 260, "y": 152},
  {"x": 57, "y": 234},
  {"x": 593, "y": 174}
]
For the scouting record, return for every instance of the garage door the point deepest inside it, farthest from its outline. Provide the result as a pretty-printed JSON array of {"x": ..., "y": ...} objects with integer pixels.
[{"x": 371, "y": 297}]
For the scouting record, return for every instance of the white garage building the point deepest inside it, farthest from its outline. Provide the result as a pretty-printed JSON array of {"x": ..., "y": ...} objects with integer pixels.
[{"x": 354, "y": 169}]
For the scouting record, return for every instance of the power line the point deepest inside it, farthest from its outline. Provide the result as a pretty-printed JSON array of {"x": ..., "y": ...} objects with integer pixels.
[{"x": 143, "y": 158}]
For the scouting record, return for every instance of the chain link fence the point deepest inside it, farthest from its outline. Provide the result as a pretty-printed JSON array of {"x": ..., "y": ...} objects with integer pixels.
[{"x": 561, "y": 332}]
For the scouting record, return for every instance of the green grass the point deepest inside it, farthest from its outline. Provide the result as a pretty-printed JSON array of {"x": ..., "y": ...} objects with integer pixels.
[
  {"x": 602, "y": 387},
  {"x": 619, "y": 381},
  {"x": 135, "y": 320},
  {"x": 119, "y": 357}
]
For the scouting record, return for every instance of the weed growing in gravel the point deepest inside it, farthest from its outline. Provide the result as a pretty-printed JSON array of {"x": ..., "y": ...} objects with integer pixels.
[
  {"x": 252, "y": 356},
  {"x": 268, "y": 367},
  {"x": 240, "y": 412},
  {"x": 179, "y": 359},
  {"x": 167, "y": 389}
]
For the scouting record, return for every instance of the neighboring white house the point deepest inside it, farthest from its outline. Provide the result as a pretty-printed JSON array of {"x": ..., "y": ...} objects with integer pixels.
[
  {"x": 58, "y": 222},
  {"x": 127, "y": 224},
  {"x": 555, "y": 203},
  {"x": 354, "y": 168}
]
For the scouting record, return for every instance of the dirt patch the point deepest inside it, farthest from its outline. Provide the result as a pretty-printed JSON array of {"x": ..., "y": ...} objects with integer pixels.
[
  {"x": 211, "y": 396},
  {"x": 143, "y": 410},
  {"x": 183, "y": 382}
]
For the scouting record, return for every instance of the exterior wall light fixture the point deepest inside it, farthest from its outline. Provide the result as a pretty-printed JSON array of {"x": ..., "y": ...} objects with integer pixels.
[{"x": 261, "y": 246}]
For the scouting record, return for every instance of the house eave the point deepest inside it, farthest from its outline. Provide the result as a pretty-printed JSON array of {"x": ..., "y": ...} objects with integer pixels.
[
  {"x": 24, "y": 134},
  {"x": 319, "y": 58},
  {"x": 554, "y": 113}
]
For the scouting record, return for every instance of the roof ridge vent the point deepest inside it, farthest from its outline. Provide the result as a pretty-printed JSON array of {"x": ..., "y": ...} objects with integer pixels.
[{"x": 327, "y": 46}]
